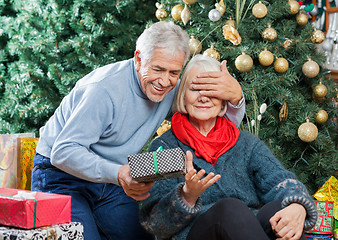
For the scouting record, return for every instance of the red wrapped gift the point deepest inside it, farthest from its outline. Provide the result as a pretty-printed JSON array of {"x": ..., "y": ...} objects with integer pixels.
[
  {"x": 325, "y": 218},
  {"x": 27, "y": 209}
]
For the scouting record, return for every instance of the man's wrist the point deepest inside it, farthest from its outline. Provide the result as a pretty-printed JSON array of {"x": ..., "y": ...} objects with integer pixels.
[{"x": 239, "y": 104}]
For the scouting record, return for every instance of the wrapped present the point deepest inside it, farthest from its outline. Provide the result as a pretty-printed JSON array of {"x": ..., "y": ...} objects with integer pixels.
[
  {"x": 157, "y": 165},
  {"x": 8, "y": 158},
  {"x": 27, "y": 209},
  {"x": 329, "y": 192},
  {"x": 325, "y": 218},
  {"x": 318, "y": 236},
  {"x": 72, "y": 230}
]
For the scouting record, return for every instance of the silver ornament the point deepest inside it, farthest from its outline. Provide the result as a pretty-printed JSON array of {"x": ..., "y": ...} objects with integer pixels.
[
  {"x": 327, "y": 45},
  {"x": 214, "y": 15}
]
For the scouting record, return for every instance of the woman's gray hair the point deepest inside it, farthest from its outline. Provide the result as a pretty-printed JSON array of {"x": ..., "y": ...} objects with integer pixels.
[
  {"x": 205, "y": 64},
  {"x": 165, "y": 35}
]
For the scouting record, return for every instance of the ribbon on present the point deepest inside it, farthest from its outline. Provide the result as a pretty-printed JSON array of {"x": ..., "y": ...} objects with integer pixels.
[
  {"x": 155, "y": 160},
  {"x": 329, "y": 192},
  {"x": 24, "y": 195}
]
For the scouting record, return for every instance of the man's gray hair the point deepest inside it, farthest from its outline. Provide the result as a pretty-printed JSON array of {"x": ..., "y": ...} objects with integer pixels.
[{"x": 165, "y": 35}]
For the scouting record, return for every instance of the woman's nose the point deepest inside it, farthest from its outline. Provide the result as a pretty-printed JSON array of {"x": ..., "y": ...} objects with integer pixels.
[{"x": 204, "y": 99}]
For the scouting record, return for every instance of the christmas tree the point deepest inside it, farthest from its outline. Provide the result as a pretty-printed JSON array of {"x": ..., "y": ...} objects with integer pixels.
[
  {"x": 47, "y": 45},
  {"x": 270, "y": 48}
]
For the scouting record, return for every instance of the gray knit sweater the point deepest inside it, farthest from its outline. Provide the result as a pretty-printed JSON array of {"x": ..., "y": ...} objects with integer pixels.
[{"x": 249, "y": 172}]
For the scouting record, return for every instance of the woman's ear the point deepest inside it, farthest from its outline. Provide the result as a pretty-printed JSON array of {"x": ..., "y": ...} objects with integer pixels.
[
  {"x": 223, "y": 109},
  {"x": 137, "y": 60}
]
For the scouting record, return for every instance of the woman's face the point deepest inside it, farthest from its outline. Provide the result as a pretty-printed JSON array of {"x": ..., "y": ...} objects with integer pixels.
[{"x": 199, "y": 108}]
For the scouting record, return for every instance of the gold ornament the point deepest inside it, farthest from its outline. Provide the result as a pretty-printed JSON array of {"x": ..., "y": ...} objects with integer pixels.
[
  {"x": 281, "y": 65},
  {"x": 269, "y": 34},
  {"x": 230, "y": 22},
  {"x": 231, "y": 34},
  {"x": 294, "y": 7},
  {"x": 283, "y": 113},
  {"x": 176, "y": 12},
  {"x": 310, "y": 69},
  {"x": 259, "y": 10},
  {"x": 220, "y": 7},
  {"x": 195, "y": 46},
  {"x": 307, "y": 131},
  {"x": 265, "y": 58},
  {"x": 317, "y": 36},
  {"x": 185, "y": 15},
  {"x": 319, "y": 91},
  {"x": 244, "y": 62},
  {"x": 211, "y": 52},
  {"x": 321, "y": 116},
  {"x": 161, "y": 14},
  {"x": 165, "y": 126},
  {"x": 189, "y": 2},
  {"x": 287, "y": 43},
  {"x": 302, "y": 19}
]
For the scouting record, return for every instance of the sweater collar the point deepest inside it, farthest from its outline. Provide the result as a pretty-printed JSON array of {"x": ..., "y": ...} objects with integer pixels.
[{"x": 136, "y": 82}]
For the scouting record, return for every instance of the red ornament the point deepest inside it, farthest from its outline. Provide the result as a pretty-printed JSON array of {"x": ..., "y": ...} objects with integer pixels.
[{"x": 300, "y": 3}]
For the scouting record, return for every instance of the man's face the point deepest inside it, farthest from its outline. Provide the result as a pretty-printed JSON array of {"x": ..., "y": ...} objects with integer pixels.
[{"x": 160, "y": 74}]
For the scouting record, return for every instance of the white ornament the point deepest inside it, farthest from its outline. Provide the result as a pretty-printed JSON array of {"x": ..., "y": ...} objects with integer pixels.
[
  {"x": 253, "y": 122},
  {"x": 259, "y": 117},
  {"x": 262, "y": 109},
  {"x": 214, "y": 15}
]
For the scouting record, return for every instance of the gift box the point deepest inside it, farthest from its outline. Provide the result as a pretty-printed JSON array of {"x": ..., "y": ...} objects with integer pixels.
[
  {"x": 157, "y": 165},
  {"x": 27, "y": 209},
  {"x": 318, "y": 236},
  {"x": 325, "y": 218},
  {"x": 72, "y": 230},
  {"x": 329, "y": 192}
]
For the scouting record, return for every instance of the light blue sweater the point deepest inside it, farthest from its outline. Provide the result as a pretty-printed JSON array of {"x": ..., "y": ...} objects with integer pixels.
[{"x": 105, "y": 118}]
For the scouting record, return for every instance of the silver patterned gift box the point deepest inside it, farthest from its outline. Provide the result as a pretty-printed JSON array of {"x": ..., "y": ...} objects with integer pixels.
[
  {"x": 157, "y": 165},
  {"x": 66, "y": 231}
]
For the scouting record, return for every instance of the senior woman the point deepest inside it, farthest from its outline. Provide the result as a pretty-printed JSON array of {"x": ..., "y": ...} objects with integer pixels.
[{"x": 234, "y": 187}]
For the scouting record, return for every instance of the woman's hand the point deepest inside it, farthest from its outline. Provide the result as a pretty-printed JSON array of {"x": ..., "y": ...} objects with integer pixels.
[
  {"x": 288, "y": 223},
  {"x": 194, "y": 186}
]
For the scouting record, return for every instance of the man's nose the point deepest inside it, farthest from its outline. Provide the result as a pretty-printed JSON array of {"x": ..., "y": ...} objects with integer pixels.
[{"x": 165, "y": 80}]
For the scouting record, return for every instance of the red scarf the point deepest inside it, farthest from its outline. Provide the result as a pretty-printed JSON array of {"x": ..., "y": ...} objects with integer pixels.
[{"x": 219, "y": 140}]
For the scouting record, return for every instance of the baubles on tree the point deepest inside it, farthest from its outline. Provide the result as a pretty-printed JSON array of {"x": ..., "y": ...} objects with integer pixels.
[
  {"x": 243, "y": 62},
  {"x": 195, "y": 46},
  {"x": 310, "y": 69},
  {"x": 269, "y": 34},
  {"x": 189, "y": 2},
  {"x": 220, "y": 7},
  {"x": 281, "y": 65},
  {"x": 265, "y": 58},
  {"x": 319, "y": 91},
  {"x": 176, "y": 12},
  {"x": 287, "y": 44},
  {"x": 307, "y": 131},
  {"x": 160, "y": 13},
  {"x": 302, "y": 19},
  {"x": 259, "y": 10},
  {"x": 294, "y": 7},
  {"x": 230, "y": 22},
  {"x": 214, "y": 15},
  {"x": 317, "y": 36},
  {"x": 321, "y": 116},
  {"x": 185, "y": 15},
  {"x": 211, "y": 52}
]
